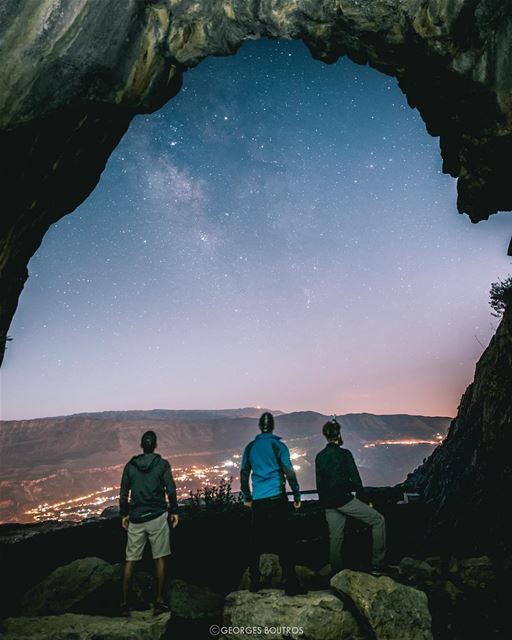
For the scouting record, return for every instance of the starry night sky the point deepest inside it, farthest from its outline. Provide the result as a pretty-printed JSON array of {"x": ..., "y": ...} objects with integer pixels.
[{"x": 279, "y": 234}]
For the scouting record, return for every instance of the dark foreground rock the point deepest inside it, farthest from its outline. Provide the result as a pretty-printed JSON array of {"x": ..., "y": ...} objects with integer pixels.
[
  {"x": 319, "y": 615},
  {"x": 192, "y": 602},
  {"x": 83, "y": 584},
  {"x": 141, "y": 625},
  {"x": 393, "y": 611},
  {"x": 87, "y": 585},
  {"x": 272, "y": 575},
  {"x": 475, "y": 573}
]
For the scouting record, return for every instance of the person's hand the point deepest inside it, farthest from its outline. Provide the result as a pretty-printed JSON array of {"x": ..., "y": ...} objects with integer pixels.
[
  {"x": 174, "y": 520},
  {"x": 248, "y": 503},
  {"x": 296, "y": 504},
  {"x": 125, "y": 521}
]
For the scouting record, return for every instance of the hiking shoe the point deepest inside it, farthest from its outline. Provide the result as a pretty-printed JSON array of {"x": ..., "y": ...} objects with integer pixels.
[
  {"x": 295, "y": 589},
  {"x": 124, "y": 610},
  {"x": 160, "y": 607}
]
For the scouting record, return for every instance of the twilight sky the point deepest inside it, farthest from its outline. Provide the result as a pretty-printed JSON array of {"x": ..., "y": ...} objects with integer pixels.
[{"x": 279, "y": 234}]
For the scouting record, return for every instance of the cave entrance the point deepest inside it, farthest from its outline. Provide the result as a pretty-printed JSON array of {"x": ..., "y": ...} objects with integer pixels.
[{"x": 279, "y": 234}]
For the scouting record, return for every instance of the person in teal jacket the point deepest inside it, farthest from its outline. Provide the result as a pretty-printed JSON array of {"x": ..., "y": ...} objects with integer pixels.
[{"x": 266, "y": 462}]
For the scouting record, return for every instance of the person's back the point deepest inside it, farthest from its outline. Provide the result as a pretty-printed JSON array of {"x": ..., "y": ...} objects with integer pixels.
[
  {"x": 336, "y": 476},
  {"x": 147, "y": 477},
  {"x": 269, "y": 460}
]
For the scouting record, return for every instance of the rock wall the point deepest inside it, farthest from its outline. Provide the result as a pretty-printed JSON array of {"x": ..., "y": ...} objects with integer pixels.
[
  {"x": 73, "y": 75},
  {"x": 467, "y": 481}
]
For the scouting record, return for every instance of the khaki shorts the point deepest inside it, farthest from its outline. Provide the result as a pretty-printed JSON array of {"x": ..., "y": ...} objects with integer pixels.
[{"x": 156, "y": 530}]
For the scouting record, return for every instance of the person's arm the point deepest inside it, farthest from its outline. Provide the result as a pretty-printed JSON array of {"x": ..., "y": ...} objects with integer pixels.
[
  {"x": 318, "y": 475},
  {"x": 354, "y": 478},
  {"x": 124, "y": 493},
  {"x": 170, "y": 489},
  {"x": 245, "y": 472},
  {"x": 287, "y": 467}
]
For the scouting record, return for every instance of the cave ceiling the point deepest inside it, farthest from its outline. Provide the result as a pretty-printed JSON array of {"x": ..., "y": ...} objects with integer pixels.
[{"x": 74, "y": 73}]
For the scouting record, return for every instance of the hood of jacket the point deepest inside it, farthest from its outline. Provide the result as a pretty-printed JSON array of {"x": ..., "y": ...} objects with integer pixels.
[{"x": 145, "y": 461}]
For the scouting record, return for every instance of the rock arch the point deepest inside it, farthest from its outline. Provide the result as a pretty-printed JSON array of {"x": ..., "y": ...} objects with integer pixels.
[{"x": 74, "y": 73}]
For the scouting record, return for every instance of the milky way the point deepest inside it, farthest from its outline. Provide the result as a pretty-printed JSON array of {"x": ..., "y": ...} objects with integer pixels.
[{"x": 279, "y": 234}]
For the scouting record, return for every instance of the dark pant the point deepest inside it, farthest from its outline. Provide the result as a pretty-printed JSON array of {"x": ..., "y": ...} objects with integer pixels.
[{"x": 271, "y": 531}]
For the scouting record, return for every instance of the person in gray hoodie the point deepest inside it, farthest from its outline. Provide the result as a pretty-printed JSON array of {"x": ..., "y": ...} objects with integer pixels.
[{"x": 145, "y": 512}]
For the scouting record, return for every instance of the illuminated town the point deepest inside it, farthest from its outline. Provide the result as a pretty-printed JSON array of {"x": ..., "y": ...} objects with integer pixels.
[
  {"x": 437, "y": 439},
  {"x": 188, "y": 480}
]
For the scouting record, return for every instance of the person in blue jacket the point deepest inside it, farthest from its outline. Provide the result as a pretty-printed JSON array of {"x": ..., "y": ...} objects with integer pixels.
[{"x": 266, "y": 461}]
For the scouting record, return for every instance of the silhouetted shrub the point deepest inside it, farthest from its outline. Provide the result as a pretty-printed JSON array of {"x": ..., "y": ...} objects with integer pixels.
[
  {"x": 500, "y": 296},
  {"x": 213, "y": 496}
]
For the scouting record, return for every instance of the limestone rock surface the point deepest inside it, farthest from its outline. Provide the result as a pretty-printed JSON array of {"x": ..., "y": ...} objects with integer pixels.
[
  {"x": 141, "y": 625},
  {"x": 392, "y": 610},
  {"x": 319, "y": 615},
  {"x": 271, "y": 574}
]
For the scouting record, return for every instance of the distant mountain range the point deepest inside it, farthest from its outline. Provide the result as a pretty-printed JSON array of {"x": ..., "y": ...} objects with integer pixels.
[{"x": 65, "y": 456}]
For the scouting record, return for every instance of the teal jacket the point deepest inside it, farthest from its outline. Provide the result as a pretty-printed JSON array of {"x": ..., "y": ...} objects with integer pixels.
[{"x": 267, "y": 458}]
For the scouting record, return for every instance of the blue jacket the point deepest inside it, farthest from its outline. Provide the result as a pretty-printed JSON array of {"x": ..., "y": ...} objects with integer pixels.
[{"x": 268, "y": 458}]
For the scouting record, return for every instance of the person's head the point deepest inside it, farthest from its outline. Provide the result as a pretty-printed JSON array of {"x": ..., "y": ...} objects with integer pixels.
[
  {"x": 266, "y": 422},
  {"x": 148, "y": 441},
  {"x": 332, "y": 431}
]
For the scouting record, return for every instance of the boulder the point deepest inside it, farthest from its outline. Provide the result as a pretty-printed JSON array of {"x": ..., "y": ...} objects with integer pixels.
[
  {"x": 452, "y": 591},
  {"x": 70, "y": 626},
  {"x": 88, "y": 585},
  {"x": 416, "y": 570},
  {"x": 192, "y": 602},
  {"x": 272, "y": 577},
  {"x": 454, "y": 565},
  {"x": 318, "y": 615},
  {"x": 435, "y": 562},
  {"x": 391, "y": 609},
  {"x": 476, "y": 573}
]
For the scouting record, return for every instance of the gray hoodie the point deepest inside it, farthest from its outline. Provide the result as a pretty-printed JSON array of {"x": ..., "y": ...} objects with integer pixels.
[{"x": 146, "y": 479}]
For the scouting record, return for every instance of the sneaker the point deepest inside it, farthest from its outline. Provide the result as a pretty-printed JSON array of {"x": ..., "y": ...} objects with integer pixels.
[
  {"x": 160, "y": 607},
  {"x": 295, "y": 589},
  {"x": 376, "y": 570}
]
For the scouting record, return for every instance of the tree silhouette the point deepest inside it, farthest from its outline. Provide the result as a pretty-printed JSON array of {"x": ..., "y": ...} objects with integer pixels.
[{"x": 500, "y": 296}]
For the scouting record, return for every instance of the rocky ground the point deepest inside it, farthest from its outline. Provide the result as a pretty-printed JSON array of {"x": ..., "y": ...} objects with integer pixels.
[{"x": 414, "y": 600}]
